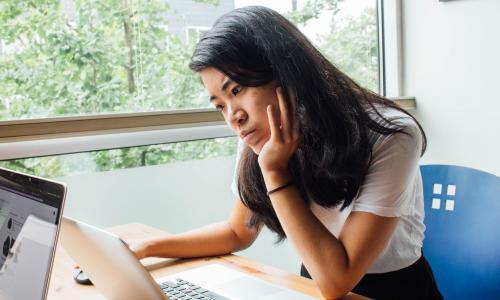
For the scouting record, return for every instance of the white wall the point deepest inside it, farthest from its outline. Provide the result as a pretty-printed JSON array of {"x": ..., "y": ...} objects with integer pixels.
[{"x": 452, "y": 67}]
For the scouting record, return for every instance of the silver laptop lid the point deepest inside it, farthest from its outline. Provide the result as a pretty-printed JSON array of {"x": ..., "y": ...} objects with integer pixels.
[
  {"x": 110, "y": 264},
  {"x": 30, "y": 212}
]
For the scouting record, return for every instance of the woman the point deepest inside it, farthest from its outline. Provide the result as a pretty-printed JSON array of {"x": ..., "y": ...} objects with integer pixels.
[{"x": 323, "y": 162}]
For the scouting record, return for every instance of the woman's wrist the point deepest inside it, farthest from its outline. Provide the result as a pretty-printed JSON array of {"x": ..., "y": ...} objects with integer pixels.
[
  {"x": 146, "y": 248},
  {"x": 276, "y": 178},
  {"x": 279, "y": 188}
]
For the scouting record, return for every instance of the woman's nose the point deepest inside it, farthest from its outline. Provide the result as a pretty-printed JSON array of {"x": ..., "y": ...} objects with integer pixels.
[{"x": 237, "y": 116}]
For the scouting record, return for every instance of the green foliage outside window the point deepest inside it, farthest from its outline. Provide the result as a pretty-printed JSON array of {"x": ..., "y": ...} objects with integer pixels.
[
  {"x": 106, "y": 56},
  {"x": 118, "y": 56},
  {"x": 133, "y": 157},
  {"x": 352, "y": 47}
]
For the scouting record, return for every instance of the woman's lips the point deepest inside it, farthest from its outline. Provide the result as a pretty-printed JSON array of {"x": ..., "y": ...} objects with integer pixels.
[{"x": 248, "y": 136}]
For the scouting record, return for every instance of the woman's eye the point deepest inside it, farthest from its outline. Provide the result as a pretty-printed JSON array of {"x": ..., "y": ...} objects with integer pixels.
[
  {"x": 236, "y": 90},
  {"x": 219, "y": 107}
]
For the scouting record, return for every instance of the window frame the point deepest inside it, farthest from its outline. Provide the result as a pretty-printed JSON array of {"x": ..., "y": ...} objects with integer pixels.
[{"x": 389, "y": 15}]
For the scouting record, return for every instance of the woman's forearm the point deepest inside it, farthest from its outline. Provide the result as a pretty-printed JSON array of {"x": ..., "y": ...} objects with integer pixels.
[{"x": 210, "y": 240}]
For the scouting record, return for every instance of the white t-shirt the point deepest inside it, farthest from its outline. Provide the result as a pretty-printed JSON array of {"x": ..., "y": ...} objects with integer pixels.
[{"x": 392, "y": 188}]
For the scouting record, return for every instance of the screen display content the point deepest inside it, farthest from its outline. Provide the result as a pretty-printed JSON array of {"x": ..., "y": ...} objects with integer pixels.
[{"x": 29, "y": 217}]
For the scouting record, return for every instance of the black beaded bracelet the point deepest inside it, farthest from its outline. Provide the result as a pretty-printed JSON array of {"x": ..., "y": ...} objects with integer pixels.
[{"x": 284, "y": 186}]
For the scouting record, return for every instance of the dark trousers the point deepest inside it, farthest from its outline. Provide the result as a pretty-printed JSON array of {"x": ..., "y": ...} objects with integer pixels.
[{"x": 413, "y": 282}]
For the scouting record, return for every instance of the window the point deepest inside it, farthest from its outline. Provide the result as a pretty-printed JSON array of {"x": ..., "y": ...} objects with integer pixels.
[{"x": 93, "y": 58}]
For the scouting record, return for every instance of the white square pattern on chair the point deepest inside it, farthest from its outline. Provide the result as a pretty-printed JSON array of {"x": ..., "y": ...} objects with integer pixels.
[
  {"x": 451, "y": 190},
  {"x": 436, "y": 203},
  {"x": 437, "y": 188},
  {"x": 450, "y": 205}
]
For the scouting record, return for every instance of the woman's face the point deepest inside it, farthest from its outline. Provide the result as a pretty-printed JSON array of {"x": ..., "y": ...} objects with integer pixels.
[{"x": 244, "y": 108}]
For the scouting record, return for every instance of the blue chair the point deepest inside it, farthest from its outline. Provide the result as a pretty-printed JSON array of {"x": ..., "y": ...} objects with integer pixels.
[{"x": 462, "y": 237}]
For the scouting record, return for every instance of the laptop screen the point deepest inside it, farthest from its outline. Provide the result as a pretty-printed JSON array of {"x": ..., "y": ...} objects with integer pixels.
[{"x": 30, "y": 210}]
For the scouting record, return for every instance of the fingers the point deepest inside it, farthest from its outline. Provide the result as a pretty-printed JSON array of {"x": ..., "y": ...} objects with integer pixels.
[
  {"x": 273, "y": 123},
  {"x": 290, "y": 126},
  {"x": 282, "y": 125},
  {"x": 289, "y": 123},
  {"x": 284, "y": 115},
  {"x": 294, "y": 124}
]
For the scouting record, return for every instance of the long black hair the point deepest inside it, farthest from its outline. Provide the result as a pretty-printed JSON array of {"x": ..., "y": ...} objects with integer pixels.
[{"x": 255, "y": 45}]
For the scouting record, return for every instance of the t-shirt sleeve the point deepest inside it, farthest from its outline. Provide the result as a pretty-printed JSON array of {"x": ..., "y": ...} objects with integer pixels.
[{"x": 388, "y": 188}]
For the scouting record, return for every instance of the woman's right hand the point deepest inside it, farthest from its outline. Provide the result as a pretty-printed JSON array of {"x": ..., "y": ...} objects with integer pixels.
[{"x": 139, "y": 248}]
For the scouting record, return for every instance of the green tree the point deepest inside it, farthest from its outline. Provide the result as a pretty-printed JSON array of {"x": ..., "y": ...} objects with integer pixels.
[
  {"x": 352, "y": 46},
  {"x": 111, "y": 57},
  {"x": 351, "y": 43},
  {"x": 105, "y": 56},
  {"x": 310, "y": 10}
]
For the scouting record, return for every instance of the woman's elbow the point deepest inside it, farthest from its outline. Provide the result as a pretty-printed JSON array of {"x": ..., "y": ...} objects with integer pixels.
[
  {"x": 333, "y": 293},
  {"x": 333, "y": 290},
  {"x": 242, "y": 245}
]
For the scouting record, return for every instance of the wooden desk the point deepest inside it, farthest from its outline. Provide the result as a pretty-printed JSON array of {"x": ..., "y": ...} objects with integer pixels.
[{"x": 63, "y": 287}]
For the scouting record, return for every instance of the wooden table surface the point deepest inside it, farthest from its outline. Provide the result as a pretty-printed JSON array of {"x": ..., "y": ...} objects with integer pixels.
[{"x": 63, "y": 287}]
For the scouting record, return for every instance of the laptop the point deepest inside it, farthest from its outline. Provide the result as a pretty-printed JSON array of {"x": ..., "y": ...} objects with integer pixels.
[
  {"x": 117, "y": 273},
  {"x": 30, "y": 212}
]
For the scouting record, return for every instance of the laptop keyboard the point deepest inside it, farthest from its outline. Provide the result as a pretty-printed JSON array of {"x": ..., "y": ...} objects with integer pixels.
[{"x": 184, "y": 290}]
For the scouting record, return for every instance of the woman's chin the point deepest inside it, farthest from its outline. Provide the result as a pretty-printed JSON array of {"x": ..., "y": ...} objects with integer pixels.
[{"x": 255, "y": 148}]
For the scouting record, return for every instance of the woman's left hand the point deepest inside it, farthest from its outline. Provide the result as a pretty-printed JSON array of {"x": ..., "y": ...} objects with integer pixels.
[{"x": 284, "y": 140}]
